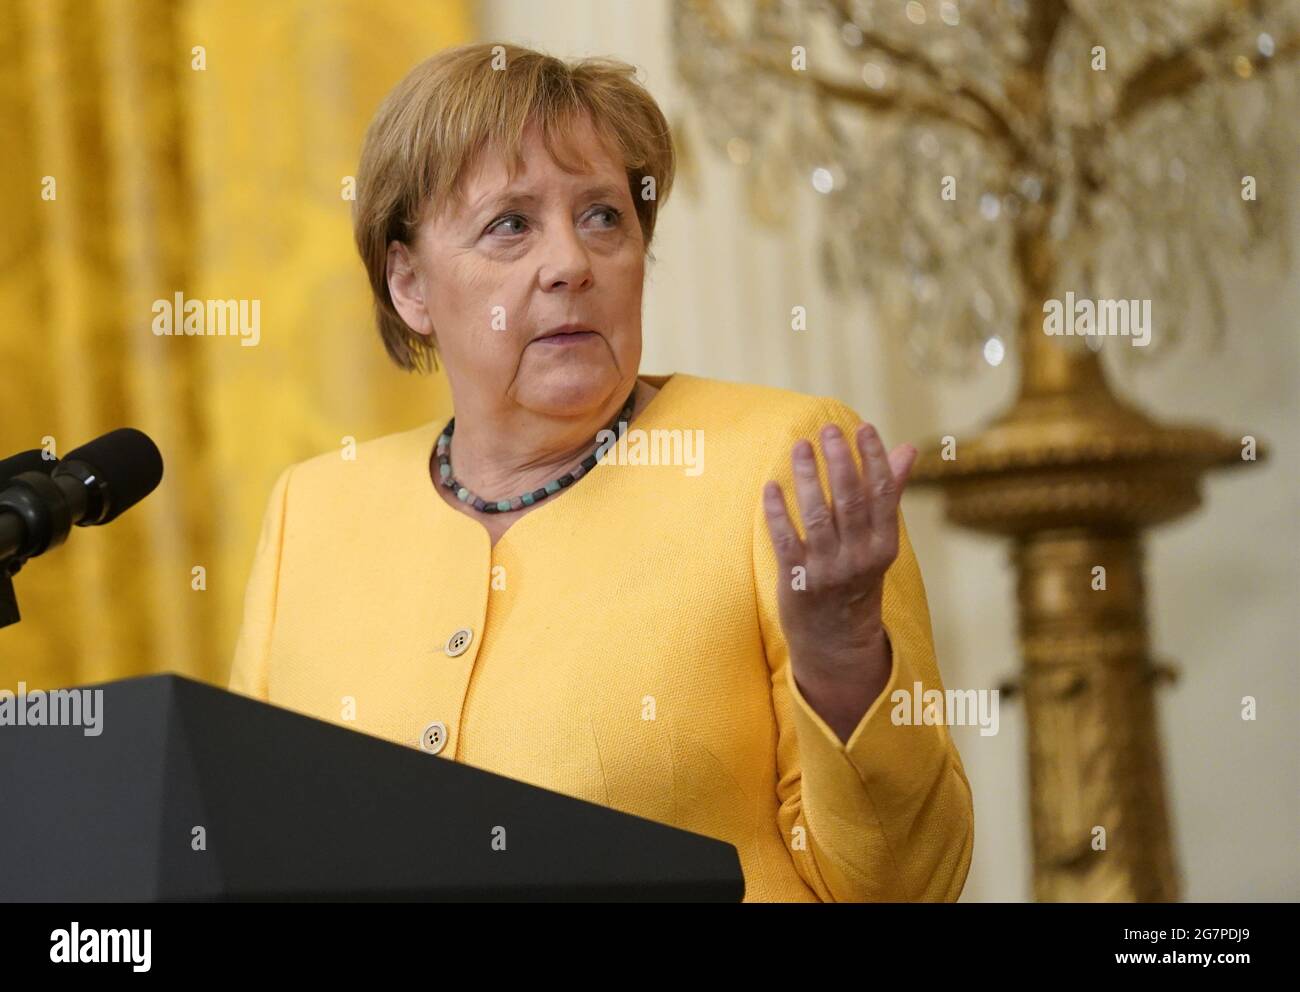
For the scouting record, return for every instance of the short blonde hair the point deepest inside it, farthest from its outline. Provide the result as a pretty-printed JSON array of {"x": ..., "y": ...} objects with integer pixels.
[{"x": 473, "y": 98}]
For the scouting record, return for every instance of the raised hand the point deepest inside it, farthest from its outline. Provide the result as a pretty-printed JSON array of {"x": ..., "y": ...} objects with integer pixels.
[{"x": 829, "y": 584}]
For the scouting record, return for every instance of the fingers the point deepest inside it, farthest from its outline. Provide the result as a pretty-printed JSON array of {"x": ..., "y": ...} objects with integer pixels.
[
  {"x": 849, "y": 497},
  {"x": 886, "y": 476},
  {"x": 882, "y": 487},
  {"x": 818, "y": 522},
  {"x": 785, "y": 539},
  {"x": 860, "y": 502},
  {"x": 901, "y": 460}
]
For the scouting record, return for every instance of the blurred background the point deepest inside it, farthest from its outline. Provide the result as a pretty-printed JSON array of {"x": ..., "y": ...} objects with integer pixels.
[{"x": 205, "y": 147}]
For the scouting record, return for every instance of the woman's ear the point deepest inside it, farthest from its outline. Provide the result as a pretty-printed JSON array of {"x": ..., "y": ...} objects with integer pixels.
[{"x": 406, "y": 287}]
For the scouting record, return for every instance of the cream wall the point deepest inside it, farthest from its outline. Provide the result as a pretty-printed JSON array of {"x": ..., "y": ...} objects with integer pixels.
[{"x": 1224, "y": 583}]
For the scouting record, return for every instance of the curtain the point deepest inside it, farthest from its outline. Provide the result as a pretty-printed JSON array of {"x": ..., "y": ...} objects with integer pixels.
[{"x": 203, "y": 148}]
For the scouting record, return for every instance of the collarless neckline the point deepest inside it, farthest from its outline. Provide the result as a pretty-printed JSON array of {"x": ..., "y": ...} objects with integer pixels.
[{"x": 428, "y": 436}]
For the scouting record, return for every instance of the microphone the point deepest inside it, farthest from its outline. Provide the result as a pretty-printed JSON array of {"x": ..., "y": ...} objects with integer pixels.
[
  {"x": 116, "y": 471},
  {"x": 25, "y": 461},
  {"x": 92, "y": 485}
]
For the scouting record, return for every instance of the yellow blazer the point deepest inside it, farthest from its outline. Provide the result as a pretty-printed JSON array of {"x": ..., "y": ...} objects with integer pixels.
[{"x": 620, "y": 643}]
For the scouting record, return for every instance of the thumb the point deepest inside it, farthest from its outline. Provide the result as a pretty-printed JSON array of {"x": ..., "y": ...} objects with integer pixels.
[{"x": 901, "y": 460}]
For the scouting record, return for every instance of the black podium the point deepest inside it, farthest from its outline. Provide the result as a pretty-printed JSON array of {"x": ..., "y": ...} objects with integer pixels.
[{"x": 194, "y": 793}]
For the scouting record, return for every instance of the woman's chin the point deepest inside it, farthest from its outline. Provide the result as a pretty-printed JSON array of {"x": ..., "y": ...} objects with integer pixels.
[{"x": 569, "y": 392}]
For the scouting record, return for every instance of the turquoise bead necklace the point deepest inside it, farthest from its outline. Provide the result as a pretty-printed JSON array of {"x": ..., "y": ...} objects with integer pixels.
[{"x": 448, "y": 479}]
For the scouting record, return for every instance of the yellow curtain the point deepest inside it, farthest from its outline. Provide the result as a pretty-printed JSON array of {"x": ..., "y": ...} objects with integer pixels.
[{"x": 149, "y": 148}]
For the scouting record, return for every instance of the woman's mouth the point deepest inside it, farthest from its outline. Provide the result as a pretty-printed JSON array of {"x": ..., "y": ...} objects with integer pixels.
[{"x": 567, "y": 338}]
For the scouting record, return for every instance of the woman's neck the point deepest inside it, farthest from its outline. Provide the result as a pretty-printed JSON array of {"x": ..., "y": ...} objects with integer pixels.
[{"x": 501, "y": 458}]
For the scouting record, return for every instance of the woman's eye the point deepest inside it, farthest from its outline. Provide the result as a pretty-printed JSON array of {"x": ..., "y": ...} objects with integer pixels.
[
  {"x": 503, "y": 220},
  {"x": 614, "y": 214}
]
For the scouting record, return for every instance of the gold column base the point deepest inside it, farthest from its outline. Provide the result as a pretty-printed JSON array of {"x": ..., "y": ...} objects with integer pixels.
[{"x": 1074, "y": 477}]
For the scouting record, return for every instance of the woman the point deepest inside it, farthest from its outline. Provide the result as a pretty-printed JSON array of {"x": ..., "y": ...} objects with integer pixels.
[{"x": 664, "y": 639}]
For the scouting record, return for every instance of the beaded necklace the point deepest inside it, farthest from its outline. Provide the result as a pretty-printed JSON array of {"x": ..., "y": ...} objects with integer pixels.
[{"x": 448, "y": 480}]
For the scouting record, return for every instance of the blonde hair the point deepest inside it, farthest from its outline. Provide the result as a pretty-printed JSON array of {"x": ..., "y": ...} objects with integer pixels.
[{"x": 472, "y": 98}]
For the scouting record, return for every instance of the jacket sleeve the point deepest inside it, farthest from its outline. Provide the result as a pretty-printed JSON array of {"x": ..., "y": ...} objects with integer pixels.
[
  {"x": 250, "y": 669},
  {"x": 886, "y": 815}
]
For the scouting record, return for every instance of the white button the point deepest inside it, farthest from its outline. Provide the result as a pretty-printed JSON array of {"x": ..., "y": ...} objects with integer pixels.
[
  {"x": 458, "y": 643},
  {"x": 434, "y": 737}
]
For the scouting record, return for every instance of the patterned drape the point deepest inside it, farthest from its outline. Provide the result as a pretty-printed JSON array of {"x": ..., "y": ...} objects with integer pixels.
[{"x": 150, "y": 148}]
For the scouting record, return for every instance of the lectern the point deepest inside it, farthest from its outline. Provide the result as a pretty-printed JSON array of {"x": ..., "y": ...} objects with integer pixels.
[{"x": 189, "y": 792}]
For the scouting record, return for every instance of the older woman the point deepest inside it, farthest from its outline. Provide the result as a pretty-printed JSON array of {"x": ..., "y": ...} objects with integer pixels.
[{"x": 502, "y": 590}]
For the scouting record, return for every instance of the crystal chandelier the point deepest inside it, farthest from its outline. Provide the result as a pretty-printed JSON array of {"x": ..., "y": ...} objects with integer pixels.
[{"x": 977, "y": 159}]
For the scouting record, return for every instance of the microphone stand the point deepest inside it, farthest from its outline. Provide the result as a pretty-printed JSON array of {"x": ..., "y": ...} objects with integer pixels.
[
  {"x": 8, "y": 597},
  {"x": 44, "y": 509}
]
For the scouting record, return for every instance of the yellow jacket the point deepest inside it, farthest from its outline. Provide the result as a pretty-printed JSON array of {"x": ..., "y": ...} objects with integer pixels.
[{"x": 620, "y": 643}]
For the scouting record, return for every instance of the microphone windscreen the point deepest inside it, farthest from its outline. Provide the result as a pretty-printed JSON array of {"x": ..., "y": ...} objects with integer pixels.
[
  {"x": 128, "y": 463},
  {"x": 25, "y": 461}
]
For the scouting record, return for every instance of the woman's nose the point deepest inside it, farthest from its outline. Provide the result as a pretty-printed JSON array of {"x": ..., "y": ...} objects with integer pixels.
[{"x": 566, "y": 263}]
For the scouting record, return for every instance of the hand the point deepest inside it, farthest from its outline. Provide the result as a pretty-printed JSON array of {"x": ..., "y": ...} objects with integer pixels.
[{"x": 829, "y": 586}]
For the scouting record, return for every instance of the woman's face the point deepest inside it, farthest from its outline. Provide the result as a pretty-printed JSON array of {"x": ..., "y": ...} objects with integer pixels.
[{"x": 510, "y": 262}]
